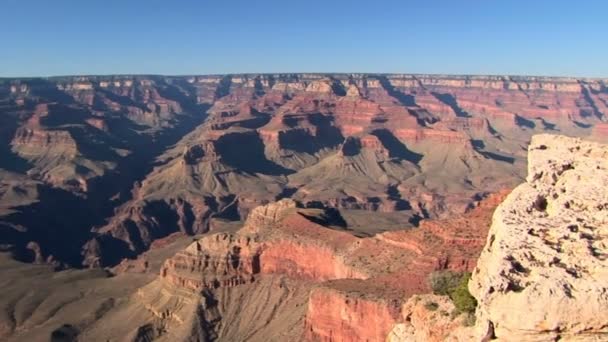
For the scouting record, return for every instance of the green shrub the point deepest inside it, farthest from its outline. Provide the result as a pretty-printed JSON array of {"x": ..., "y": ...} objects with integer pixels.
[
  {"x": 442, "y": 282},
  {"x": 454, "y": 285},
  {"x": 463, "y": 301},
  {"x": 469, "y": 320}
]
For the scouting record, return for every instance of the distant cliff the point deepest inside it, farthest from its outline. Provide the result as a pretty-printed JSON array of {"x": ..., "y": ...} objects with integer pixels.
[{"x": 147, "y": 156}]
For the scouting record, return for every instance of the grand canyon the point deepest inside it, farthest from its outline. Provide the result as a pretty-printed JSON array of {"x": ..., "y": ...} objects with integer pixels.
[{"x": 303, "y": 207}]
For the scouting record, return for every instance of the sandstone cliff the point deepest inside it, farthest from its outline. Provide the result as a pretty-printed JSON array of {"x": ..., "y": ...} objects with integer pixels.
[{"x": 543, "y": 273}]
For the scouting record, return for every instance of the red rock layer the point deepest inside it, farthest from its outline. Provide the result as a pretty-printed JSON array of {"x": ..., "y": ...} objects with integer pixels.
[
  {"x": 303, "y": 261},
  {"x": 337, "y": 316},
  {"x": 418, "y": 135}
]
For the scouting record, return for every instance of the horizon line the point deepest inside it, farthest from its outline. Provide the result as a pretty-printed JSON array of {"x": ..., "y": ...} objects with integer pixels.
[{"x": 604, "y": 78}]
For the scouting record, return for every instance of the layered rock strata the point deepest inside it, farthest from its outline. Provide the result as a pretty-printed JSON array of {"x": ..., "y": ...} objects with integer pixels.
[{"x": 155, "y": 155}]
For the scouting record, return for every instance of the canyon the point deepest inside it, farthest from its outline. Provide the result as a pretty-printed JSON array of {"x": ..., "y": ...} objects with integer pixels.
[{"x": 297, "y": 206}]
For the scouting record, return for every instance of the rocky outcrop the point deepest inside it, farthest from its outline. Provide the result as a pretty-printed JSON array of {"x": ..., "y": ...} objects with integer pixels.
[
  {"x": 35, "y": 141},
  {"x": 223, "y": 260},
  {"x": 542, "y": 275},
  {"x": 430, "y": 318},
  {"x": 265, "y": 245},
  {"x": 266, "y": 215}
]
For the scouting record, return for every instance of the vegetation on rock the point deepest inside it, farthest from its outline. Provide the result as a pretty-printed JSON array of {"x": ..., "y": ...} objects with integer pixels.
[{"x": 454, "y": 285}]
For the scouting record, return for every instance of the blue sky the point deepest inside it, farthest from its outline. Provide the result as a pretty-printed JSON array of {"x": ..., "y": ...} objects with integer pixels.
[{"x": 532, "y": 37}]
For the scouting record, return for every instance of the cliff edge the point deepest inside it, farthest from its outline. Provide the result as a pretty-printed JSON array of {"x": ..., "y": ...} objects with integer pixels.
[{"x": 543, "y": 274}]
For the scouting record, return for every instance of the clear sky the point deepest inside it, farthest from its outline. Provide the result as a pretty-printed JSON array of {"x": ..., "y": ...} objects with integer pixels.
[{"x": 537, "y": 37}]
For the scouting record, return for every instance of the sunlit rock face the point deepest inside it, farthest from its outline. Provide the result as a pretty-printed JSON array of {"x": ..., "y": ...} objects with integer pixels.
[{"x": 542, "y": 275}]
